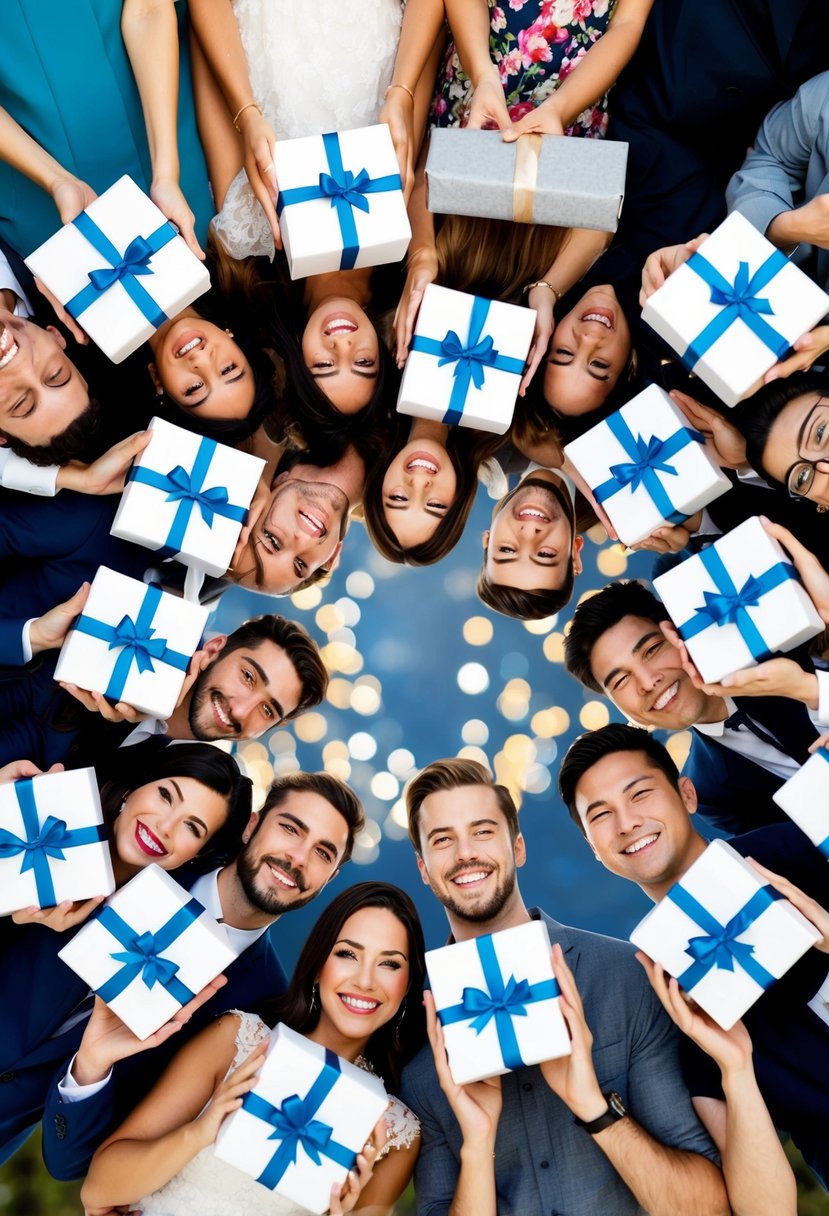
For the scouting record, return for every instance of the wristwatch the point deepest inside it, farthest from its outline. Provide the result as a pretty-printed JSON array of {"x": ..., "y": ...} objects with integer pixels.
[{"x": 615, "y": 1111}]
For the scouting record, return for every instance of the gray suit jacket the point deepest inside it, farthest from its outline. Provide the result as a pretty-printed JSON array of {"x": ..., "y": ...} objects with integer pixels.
[{"x": 544, "y": 1164}]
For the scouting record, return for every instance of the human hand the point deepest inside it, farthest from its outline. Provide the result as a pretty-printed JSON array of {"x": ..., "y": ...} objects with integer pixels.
[
  {"x": 820, "y": 741},
  {"x": 71, "y": 196},
  {"x": 422, "y": 270},
  {"x": 663, "y": 262},
  {"x": 488, "y": 108},
  {"x": 477, "y": 1105},
  {"x": 227, "y": 1097},
  {"x": 49, "y": 631},
  {"x": 259, "y": 143},
  {"x": 573, "y": 1078},
  {"x": 344, "y": 1198},
  {"x": 18, "y": 769},
  {"x": 670, "y": 538},
  {"x": 543, "y": 120},
  {"x": 167, "y": 195},
  {"x": 812, "y": 574},
  {"x": 810, "y": 908},
  {"x": 543, "y": 301},
  {"x": 107, "y": 474},
  {"x": 97, "y": 703},
  {"x": 807, "y": 349},
  {"x": 66, "y": 318},
  {"x": 809, "y": 223},
  {"x": 723, "y": 441},
  {"x": 63, "y": 916},
  {"x": 397, "y": 112}
]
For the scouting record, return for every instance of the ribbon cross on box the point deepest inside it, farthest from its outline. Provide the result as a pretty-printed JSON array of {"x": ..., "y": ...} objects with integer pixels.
[
  {"x": 647, "y": 459},
  {"x": 739, "y": 301},
  {"x": 122, "y": 269},
  {"x": 42, "y": 843},
  {"x": 720, "y": 947},
  {"x": 143, "y": 953}
]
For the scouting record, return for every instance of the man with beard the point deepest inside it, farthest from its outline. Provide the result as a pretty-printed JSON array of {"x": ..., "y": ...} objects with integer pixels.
[
  {"x": 566, "y": 1139},
  {"x": 293, "y": 847},
  {"x": 531, "y": 552}
]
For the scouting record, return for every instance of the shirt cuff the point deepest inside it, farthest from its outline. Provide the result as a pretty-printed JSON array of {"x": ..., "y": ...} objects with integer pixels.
[
  {"x": 17, "y": 473},
  {"x": 823, "y": 697},
  {"x": 26, "y": 641},
  {"x": 71, "y": 1091}
]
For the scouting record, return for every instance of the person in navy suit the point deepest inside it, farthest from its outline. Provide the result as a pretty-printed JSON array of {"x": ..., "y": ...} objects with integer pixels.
[
  {"x": 742, "y": 748},
  {"x": 89, "y": 1071}
]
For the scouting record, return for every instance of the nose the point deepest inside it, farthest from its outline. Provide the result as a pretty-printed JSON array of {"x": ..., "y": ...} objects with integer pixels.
[
  {"x": 412, "y": 477},
  {"x": 628, "y": 818},
  {"x": 648, "y": 680},
  {"x": 530, "y": 527}
]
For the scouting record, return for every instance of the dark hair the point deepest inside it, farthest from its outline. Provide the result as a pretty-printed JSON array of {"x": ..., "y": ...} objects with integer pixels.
[
  {"x": 298, "y": 645},
  {"x": 340, "y": 795},
  {"x": 755, "y": 416},
  {"x": 155, "y": 759},
  {"x": 81, "y": 439},
  {"x": 450, "y": 775},
  {"x": 399, "y": 1040},
  {"x": 594, "y": 616},
  {"x": 593, "y": 746}
]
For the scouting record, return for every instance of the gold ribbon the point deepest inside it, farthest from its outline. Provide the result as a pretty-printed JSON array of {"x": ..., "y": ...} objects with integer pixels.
[{"x": 525, "y": 177}]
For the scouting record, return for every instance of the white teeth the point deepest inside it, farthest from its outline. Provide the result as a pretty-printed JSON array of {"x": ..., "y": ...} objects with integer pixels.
[
  {"x": 282, "y": 878},
  {"x": 666, "y": 696},
  {"x": 422, "y": 464},
  {"x": 340, "y": 326},
  {"x": 641, "y": 843},
  {"x": 6, "y": 340},
  {"x": 147, "y": 839},
  {"x": 595, "y": 316},
  {"x": 464, "y": 879},
  {"x": 220, "y": 713},
  {"x": 533, "y": 513},
  {"x": 316, "y": 524},
  {"x": 355, "y": 1003},
  {"x": 188, "y": 346}
]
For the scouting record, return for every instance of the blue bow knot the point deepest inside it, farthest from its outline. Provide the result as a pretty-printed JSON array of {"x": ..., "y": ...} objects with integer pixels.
[
  {"x": 124, "y": 269},
  {"x": 471, "y": 360},
  {"x": 43, "y": 841},
  {"x": 512, "y": 1000},
  {"x": 650, "y": 455},
  {"x": 718, "y": 947},
  {"x": 139, "y": 643},
  {"x": 294, "y": 1126},
  {"x": 186, "y": 488},
  {"x": 135, "y": 261},
  {"x": 739, "y": 301},
  {"x": 143, "y": 954},
  {"x": 349, "y": 187},
  {"x": 724, "y": 608}
]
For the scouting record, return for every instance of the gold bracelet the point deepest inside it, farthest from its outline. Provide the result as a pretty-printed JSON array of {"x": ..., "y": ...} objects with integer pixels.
[
  {"x": 543, "y": 283},
  {"x": 399, "y": 86},
  {"x": 246, "y": 106}
]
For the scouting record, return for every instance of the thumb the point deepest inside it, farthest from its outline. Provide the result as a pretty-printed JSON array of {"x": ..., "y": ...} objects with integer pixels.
[
  {"x": 75, "y": 605},
  {"x": 516, "y": 129}
]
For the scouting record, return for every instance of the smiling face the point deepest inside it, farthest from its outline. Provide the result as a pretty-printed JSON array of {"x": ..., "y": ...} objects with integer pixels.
[
  {"x": 637, "y": 823},
  {"x": 41, "y": 391},
  {"x": 292, "y": 853},
  {"x": 418, "y": 489},
  {"x": 590, "y": 349},
  {"x": 167, "y": 822},
  {"x": 243, "y": 693},
  {"x": 531, "y": 543},
  {"x": 641, "y": 672},
  {"x": 799, "y": 435},
  {"x": 363, "y": 981},
  {"x": 467, "y": 856},
  {"x": 204, "y": 371},
  {"x": 341, "y": 350}
]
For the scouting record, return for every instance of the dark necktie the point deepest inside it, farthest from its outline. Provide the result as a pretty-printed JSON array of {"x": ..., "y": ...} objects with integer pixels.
[{"x": 740, "y": 718}]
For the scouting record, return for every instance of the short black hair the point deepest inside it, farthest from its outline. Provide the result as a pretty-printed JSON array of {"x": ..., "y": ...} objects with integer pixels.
[
  {"x": 593, "y": 746},
  {"x": 80, "y": 440},
  {"x": 594, "y": 616},
  {"x": 755, "y": 416}
]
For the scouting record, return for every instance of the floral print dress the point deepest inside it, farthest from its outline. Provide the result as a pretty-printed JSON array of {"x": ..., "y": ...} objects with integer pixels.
[{"x": 535, "y": 44}]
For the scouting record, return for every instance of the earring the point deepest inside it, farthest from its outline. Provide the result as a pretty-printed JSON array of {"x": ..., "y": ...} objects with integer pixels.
[
  {"x": 121, "y": 807},
  {"x": 399, "y": 1021},
  {"x": 313, "y": 1004}
]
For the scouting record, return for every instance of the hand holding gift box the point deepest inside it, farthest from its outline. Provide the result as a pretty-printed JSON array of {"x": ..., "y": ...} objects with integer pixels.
[
  {"x": 132, "y": 642},
  {"x": 805, "y": 799},
  {"x": 738, "y": 602},
  {"x": 188, "y": 497},
  {"x": 53, "y": 843},
  {"x": 466, "y": 360},
  {"x": 724, "y": 935},
  {"x": 149, "y": 950},
  {"x": 646, "y": 466},
  {"x": 734, "y": 308},
  {"x": 496, "y": 998},
  {"x": 300, "y": 1129},
  {"x": 121, "y": 269},
  {"x": 340, "y": 201}
]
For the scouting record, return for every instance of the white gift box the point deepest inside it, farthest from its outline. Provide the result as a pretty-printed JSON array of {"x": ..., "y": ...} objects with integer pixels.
[
  {"x": 188, "y": 496},
  {"x": 126, "y": 310},
  {"x": 146, "y": 982},
  {"x": 63, "y": 812},
  {"x": 466, "y": 977},
  {"x": 477, "y": 391},
  {"x": 645, "y": 466},
  {"x": 725, "y": 967},
  {"x": 788, "y": 304},
  {"x": 726, "y": 583},
  {"x": 132, "y": 642},
  {"x": 367, "y": 228},
  {"x": 805, "y": 799},
  {"x": 316, "y": 1087}
]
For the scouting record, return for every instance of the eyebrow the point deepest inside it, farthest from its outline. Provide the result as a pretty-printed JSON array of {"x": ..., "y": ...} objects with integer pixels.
[
  {"x": 476, "y": 823},
  {"x": 643, "y": 641},
  {"x": 263, "y": 676},
  {"x": 359, "y": 946},
  {"x": 568, "y": 363},
  {"x": 630, "y": 784},
  {"x": 336, "y": 372},
  {"x": 303, "y": 827}
]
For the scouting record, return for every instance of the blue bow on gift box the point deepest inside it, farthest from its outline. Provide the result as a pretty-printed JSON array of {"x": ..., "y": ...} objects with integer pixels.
[
  {"x": 648, "y": 458},
  {"x": 187, "y": 489},
  {"x": 294, "y": 1124},
  {"x": 501, "y": 1001},
  {"x": 143, "y": 953},
  {"x": 719, "y": 947},
  {"x": 738, "y": 301},
  {"x": 471, "y": 358},
  {"x": 122, "y": 269},
  {"x": 43, "y": 842},
  {"x": 345, "y": 190},
  {"x": 135, "y": 641}
]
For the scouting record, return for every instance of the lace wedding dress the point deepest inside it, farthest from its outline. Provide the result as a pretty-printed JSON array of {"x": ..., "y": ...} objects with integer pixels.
[
  {"x": 209, "y": 1187},
  {"x": 316, "y": 66}
]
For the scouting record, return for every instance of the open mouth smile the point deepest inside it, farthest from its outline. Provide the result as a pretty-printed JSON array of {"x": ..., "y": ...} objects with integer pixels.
[
  {"x": 666, "y": 698},
  {"x": 470, "y": 878},
  {"x": 533, "y": 513},
  {"x": 281, "y": 878},
  {"x": 339, "y": 325},
  {"x": 602, "y": 315},
  {"x": 358, "y": 1004},
  {"x": 191, "y": 342},
  {"x": 148, "y": 842},
  {"x": 312, "y": 523},
  {"x": 221, "y": 715},
  {"x": 640, "y": 845},
  {"x": 8, "y": 347}
]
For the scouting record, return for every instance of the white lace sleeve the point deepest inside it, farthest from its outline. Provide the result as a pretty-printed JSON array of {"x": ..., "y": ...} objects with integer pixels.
[
  {"x": 252, "y": 1031},
  {"x": 403, "y": 1127}
]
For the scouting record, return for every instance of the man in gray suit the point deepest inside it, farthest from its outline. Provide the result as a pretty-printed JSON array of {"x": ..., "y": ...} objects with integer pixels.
[{"x": 609, "y": 1128}]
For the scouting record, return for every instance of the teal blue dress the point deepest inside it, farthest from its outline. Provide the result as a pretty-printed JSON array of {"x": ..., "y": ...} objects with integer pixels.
[{"x": 66, "y": 78}]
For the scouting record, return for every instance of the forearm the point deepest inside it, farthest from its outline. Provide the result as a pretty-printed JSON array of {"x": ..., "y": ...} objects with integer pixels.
[
  {"x": 123, "y": 1171},
  {"x": 422, "y": 25},
  {"x": 420, "y": 217},
  {"x": 475, "y": 1192},
  {"x": 576, "y": 256},
  {"x": 26, "y": 156},
  {"x": 469, "y": 23},
  {"x": 217, "y": 30},
  {"x": 600, "y": 67},
  {"x": 150, "y": 32},
  {"x": 757, "y": 1175}
]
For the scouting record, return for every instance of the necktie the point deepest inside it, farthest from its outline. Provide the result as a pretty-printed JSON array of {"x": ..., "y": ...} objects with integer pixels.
[{"x": 740, "y": 718}]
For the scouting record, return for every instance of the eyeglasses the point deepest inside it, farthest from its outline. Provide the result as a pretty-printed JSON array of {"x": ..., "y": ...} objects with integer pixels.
[{"x": 800, "y": 477}]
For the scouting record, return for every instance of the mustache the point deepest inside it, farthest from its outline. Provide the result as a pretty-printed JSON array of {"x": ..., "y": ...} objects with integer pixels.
[{"x": 283, "y": 865}]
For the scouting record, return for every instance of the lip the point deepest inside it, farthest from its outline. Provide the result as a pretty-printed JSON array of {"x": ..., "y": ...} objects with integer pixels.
[
  {"x": 477, "y": 882},
  {"x": 9, "y": 348},
  {"x": 604, "y": 317},
  {"x": 282, "y": 880},
  {"x": 338, "y": 323},
  {"x": 651, "y": 837},
  {"x": 530, "y": 512},
  {"x": 671, "y": 701},
  {"x": 148, "y": 842},
  {"x": 345, "y": 997},
  {"x": 184, "y": 340},
  {"x": 219, "y": 707},
  {"x": 313, "y": 521},
  {"x": 423, "y": 462}
]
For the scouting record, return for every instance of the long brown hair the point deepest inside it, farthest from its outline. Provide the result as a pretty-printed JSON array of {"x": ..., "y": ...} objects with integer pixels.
[{"x": 494, "y": 258}]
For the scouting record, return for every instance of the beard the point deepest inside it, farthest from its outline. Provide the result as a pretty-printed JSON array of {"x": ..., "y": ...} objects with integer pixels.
[
  {"x": 200, "y": 699},
  {"x": 266, "y": 899},
  {"x": 484, "y": 912}
]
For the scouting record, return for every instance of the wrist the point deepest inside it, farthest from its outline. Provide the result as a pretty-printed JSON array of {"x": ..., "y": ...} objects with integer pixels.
[
  {"x": 479, "y": 1153},
  {"x": 589, "y": 1106},
  {"x": 810, "y": 690},
  {"x": 785, "y": 231},
  {"x": 484, "y": 71},
  {"x": 87, "y": 1069},
  {"x": 70, "y": 477}
]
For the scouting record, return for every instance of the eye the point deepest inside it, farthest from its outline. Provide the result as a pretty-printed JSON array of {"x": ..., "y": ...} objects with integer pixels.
[
  {"x": 437, "y": 506},
  {"x": 598, "y": 815},
  {"x": 248, "y": 676},
  {"x": 391, "y": 963},
  {"x": 268, "y": 711},
  {"x": 365, "y": 363},
  {"x": 483, "y": 832},
  {"x": 344, "y": 952},
  {"x": 195, "y": 387},
  {"x": 300, "y": 567},
  {"x": 547, "y": 553},
  {"x": 619, "y": 682},
  {"x": 325, "y": 855},
  {"x": 272, "y": 544},
  {"x": 195, "y": 828},
  {"x": 601, "y": 364},
  {"x": 820, "y": 431},
  {"x": 322, "y": 363},
  {"x": 228, "y": 368},
  {"x": 563, "y": 352},
  {"x": 654, "y": 649},
  {"x": 640, "y": 793},
  {"x": 289, "y": 828},
  {"x": 397, "y": 498},
  {"x": 59, "y": 377},
  {"x": 505, "y": 549},
  {"x": 802, "y": 479},
  {"x": 165, "y": 794},
  {"x": 438, "y": 841}
]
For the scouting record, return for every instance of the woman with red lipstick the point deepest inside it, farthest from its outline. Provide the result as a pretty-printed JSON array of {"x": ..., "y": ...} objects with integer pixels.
[{"x": 357, "y": 991}]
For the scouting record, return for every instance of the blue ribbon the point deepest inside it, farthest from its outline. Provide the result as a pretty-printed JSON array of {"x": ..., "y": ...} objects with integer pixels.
[
  {"x": 187, "y": 489},
  {"x": 294, "y": 1124},
  {"x": 719, "y": 946},
  {"x": 143, "y": 953},
  {"x": 122, "y": 269},
  {"x": 135, "y": 641},
  {"x": 500, "y": 1001},
  {"x": 43, "y": 842},
  {"x": 471, "y": 359},
  {"x": 648, "y": 458},
  {"x": 345, "y": 190},
  {"x": 729, "y": 605},
  {"x": 738, "y": 300}
]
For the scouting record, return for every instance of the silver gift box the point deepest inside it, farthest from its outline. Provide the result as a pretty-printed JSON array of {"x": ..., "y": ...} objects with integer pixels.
[{"x": 580, "y": 182}]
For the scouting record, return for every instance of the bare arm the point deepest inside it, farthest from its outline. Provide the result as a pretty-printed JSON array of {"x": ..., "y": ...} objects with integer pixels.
[
  {"x": 69, "y": 193},
  {"x": 469, "y": 23},
  {"x": 389, "y": 1181},
  {"x": 410, "y": 94}
]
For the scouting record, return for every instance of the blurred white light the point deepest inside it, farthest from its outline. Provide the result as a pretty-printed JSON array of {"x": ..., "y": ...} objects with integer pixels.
[
  {"x": 385, "y": 786},
  {"x": 362, "y": 745},
  {"x": 400, "y": 761},
  {"x": 475, "y": 731},
  {"x": 473, "y": 678},
  {"x": 349, "y": 611},
  {"x": 360, "y": 584}
]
